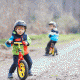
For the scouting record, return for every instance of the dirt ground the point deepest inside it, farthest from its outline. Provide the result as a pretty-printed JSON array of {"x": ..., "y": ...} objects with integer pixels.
[{"x": 65, "y": 66}]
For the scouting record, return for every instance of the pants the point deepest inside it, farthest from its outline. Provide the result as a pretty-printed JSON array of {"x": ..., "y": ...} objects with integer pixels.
[
  {"x": 49, "y": 45},
  {"x": 15, "y": 63}
]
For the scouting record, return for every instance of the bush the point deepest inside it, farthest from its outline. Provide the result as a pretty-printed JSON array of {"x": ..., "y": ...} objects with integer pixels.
[{"x": 67, "y": 22}]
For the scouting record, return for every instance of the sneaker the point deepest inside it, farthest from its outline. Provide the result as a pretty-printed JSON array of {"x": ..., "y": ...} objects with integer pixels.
[
  {"x": 46, "y": 55},
  {"x": 30, "y": 74},
  {"x": 56, "y": 53},
  {"x": 10, "y": 75},
  {"x": 53, "y": 54}
]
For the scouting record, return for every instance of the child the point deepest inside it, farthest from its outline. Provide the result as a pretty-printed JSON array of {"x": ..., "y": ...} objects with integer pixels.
[
  {"x": 18, "y": 35},
  {"x": 53, "y": 35}
]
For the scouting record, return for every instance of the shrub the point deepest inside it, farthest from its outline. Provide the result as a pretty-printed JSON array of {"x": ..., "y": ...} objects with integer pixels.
[{"x": 67, "y": 22}]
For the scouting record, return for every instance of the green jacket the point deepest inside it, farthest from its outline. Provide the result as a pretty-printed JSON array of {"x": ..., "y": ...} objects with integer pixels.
[{"x": 15, "y": 38}]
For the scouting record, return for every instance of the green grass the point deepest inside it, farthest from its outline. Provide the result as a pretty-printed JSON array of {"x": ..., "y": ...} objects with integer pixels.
[
  {"x": 2, "y": 41},
  {"x": 38, "y": 37},
  {"x": 62, "y": 37},
  {"x": 67, "y": 38},
  {"x": 42, "y": 40}
]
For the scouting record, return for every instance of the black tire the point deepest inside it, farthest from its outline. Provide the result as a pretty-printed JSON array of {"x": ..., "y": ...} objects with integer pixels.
[
  {"x": 24, "y": 63},
  {"x": 55, "y": 50}
]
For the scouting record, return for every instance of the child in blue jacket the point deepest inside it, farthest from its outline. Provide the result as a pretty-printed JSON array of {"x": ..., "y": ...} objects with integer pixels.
[{"x": 53, "y": 35}]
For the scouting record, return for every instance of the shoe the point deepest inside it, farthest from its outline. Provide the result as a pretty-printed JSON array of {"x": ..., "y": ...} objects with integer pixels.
[
  {"x": 30, "y": 74},
  {"x": 10, "y": 75},
  {"x": 53, "y": 55},
  {"x": 56, "y": 53},
  {"x": 46, "y": 55}
]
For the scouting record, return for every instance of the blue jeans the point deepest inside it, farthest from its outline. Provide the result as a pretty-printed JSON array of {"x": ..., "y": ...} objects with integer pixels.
[{"x": 15, "y": 63}]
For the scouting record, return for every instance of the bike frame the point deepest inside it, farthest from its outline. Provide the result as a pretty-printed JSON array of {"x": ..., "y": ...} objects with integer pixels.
[
  {"x": 51, "y": 49},
  {"x": 20, "y": 57}
]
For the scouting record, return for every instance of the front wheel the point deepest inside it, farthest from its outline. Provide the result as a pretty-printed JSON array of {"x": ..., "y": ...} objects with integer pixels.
[{"x": 23, "y": 73}]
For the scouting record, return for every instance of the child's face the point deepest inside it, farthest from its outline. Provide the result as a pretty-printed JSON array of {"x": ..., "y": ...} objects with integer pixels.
[
  {"x": 20, "y": 30},
  {"x": 51, "y": 26}
]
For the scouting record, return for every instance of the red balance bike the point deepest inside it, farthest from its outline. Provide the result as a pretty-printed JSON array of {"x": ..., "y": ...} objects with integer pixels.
[{"x": 22, "y": 68}]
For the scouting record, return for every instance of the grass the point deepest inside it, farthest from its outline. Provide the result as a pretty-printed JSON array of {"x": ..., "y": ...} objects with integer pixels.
[
  {"x": 38, "y": 37},
  {"x": 41, "y": 40},
  {"x": 68, "y": 38},
  {"x": 2, "y": 41}
]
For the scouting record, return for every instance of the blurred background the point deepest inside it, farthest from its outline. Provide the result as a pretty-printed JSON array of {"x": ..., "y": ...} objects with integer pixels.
[{"x": 38, "y": 13}]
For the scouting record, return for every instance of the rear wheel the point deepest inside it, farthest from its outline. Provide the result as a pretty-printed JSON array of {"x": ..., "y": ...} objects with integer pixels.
[
  {"x": 55, "y": 50},
  {"x": 23, "y": 73}
]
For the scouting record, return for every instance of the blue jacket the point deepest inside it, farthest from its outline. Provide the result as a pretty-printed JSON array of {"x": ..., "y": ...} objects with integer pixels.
[{"x": 54, "y": 35}]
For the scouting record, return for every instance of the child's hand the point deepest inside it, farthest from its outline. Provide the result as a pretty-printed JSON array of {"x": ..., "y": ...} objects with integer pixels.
[
  {"x": 25, "y": 43},
  {"x": 9, "y": 41}
]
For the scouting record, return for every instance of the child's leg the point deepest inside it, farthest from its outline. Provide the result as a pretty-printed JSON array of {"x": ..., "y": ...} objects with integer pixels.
[
  {"x": 55, "y": 50},
  {"x": 29, "y": 61},
  {"x": 48, "y": 47},
  {"x": 55, "y": 47},
  {"x": 14, "y": 65},
  {"x": 54, "y": 42}
]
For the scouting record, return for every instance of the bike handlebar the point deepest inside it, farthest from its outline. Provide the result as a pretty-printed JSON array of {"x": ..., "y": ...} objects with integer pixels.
[
  {"x": 17, "y": 42},
  {"x": 14, "y": 43}
]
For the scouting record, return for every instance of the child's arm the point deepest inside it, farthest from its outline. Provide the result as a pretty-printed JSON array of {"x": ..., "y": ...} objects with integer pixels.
[
  {"x": 27, "y": 41},
  {"x": 53, "y": 32},
  {"x": 10, "y": 39},
  {"x": 54, "y": 36}
]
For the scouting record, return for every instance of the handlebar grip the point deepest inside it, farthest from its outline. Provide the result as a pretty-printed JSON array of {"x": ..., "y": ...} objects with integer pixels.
[{"x": 9, "y": 43}]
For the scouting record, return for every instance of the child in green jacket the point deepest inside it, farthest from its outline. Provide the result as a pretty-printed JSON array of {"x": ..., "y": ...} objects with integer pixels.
[{"x": 18, "y": 35}]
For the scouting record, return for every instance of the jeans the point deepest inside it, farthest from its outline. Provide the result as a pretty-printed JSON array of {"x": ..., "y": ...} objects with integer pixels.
[{"x": 15, "y": 63}]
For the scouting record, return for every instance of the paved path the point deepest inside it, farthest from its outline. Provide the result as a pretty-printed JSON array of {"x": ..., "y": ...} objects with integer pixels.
[{"x": 65, "y": 66}]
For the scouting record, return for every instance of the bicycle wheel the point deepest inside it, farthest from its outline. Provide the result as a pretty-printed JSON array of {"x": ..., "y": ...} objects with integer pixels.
[{"x": 23, "y": 73}]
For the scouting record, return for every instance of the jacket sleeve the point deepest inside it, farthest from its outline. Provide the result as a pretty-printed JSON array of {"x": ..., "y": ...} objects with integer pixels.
[
  {"x": 9, "y": 45},
  {"x": 51, "y": 34},
  {"x": 11, "y": 38},
  {"x": 27, "y": 39}
]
